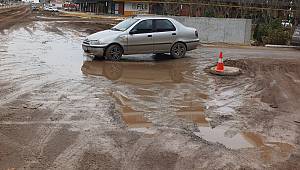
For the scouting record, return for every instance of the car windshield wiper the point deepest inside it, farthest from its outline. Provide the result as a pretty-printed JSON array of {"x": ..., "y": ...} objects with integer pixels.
[{"x": 116, "y": 29}]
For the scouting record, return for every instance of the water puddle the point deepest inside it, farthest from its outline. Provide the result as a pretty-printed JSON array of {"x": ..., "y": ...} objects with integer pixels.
[
  {"x": 269, "y": 150},
  {"x": 266, "y": 150},
  {"x": 163, "y": 93},
  {"x": 36, "y": 47},
  {"x": 194, "y": 115},
  {"x": 134, "y": 119},
  {"x": 136, "y": 72},
  {"x": 223, "y": 136}
]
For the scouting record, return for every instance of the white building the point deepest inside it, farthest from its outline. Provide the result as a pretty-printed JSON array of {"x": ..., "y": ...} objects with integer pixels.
[{"x": 31, "y": 1}]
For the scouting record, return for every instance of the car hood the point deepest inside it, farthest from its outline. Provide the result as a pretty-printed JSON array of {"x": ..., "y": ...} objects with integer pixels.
[{"x": 104, "y": 35}]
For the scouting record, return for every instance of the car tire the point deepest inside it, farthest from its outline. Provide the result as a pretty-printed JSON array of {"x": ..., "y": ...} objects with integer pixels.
[
  {"x": 99, "y": 57},
  {"x": 178, "y": 50},
  {"x": 113, "y": 52}
]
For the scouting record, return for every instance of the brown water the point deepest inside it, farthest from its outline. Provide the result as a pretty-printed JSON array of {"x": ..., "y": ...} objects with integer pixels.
[{"x": 167, "y": 93}]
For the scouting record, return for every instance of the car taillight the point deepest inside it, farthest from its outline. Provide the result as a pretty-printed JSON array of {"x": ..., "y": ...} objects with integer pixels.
[{"x": 196, "y": 34}]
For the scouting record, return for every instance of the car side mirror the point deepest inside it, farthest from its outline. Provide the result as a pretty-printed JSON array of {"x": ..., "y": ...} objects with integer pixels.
[{"x": 133, "y": 31}]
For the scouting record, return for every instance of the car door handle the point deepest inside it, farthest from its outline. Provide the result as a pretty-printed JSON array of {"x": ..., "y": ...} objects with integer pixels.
[
  {"x": 149, "y": 35},
  {"x": 173, "y": 33}
]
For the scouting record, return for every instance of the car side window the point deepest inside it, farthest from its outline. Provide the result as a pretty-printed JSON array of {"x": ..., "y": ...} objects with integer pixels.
[
  {"x": 142, "y": 27},
  {"x": 163, "y": 25}
]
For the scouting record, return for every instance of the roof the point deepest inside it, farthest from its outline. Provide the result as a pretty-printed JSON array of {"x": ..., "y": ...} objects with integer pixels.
[{"x": 150, "y": 17}]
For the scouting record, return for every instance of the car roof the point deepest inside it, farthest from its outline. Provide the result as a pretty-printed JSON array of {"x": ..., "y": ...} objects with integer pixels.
[{"x": 150, "y": 17}]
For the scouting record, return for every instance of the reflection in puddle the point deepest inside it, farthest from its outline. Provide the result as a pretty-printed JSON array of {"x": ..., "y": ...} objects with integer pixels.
[
  {"x": 154, "y": 87},
  {"x": 168, "y": 92},
  {"x": 136, "y": 72}
]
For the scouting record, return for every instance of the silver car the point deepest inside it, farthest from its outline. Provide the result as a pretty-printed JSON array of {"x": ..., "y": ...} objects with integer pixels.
[{"x": 140, "y": 35}]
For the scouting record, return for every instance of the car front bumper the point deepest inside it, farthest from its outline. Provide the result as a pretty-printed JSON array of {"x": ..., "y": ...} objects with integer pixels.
[{"x": 94, "y": 50}]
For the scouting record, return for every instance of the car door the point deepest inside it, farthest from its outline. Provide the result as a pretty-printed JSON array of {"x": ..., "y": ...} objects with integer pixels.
[
  {"x": 140, "y": 39},
  {"x": 164, "y": 35}
]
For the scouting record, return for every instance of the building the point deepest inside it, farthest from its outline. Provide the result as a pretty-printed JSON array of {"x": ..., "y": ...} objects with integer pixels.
[
  {"x": 94, "y": 6},
  {"x": 128, "y": 8},
  {"x": 32, "y": 1},
  {"x": 56, "y": 3},
  {"x": 251, "y": 9}
]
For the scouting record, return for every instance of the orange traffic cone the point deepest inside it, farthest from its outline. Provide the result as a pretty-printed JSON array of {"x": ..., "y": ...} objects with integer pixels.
[{"x": 220, "y": 65}]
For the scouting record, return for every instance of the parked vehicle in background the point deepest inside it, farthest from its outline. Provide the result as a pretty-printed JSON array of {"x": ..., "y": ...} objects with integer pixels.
[
  {"x": 46, "y": 8},
  {"x": 286, "y": 23},
  {"x": 54, "y": 9},
  {"x": 50, "y": 9},
  {"x": 140, "y": 35},
  {"x": 296, "y": 36},
  {"x": 34, "y": 8}
]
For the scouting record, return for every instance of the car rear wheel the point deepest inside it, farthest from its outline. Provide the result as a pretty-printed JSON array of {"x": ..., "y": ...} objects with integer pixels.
[
  {"x": 114, "y": 52},
  {"x": 178, "y": 50}
]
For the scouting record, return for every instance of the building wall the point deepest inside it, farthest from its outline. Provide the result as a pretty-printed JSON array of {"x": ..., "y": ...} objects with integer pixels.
[
  {"x": 118, "y": 8},
  {"x": 219, "y": 30},
  {"x": 32, "y": 1},
  {"x": 95, "y": 6},
  {"x": 133, "y": 8}
]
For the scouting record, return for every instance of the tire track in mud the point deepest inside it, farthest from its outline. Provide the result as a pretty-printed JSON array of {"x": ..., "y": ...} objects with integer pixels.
[
  {"x": 75, "y": 104},
  {"x": 22, "y": 75},
  {"x": 13, "y": 15}
]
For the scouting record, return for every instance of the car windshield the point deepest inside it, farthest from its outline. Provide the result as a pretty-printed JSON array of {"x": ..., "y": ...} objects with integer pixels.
[{"x": 124, "y": 25}]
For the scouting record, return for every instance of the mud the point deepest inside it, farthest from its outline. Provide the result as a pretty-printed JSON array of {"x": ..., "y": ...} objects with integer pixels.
[
  {"x": 61, "y": 109},
  {"x": 13, "y": 15}
]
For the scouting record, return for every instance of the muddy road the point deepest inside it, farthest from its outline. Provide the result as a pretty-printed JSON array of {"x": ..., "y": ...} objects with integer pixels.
[
  {"x": 13, "y": 15},
  {"x": 61, "y": 109}
]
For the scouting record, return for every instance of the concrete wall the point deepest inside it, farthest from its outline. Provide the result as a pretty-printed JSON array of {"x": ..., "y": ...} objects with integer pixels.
[{"x": 219, "y": 30}]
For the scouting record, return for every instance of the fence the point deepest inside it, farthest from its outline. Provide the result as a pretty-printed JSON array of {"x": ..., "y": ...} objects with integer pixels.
[{"x": 219, "y": 30}]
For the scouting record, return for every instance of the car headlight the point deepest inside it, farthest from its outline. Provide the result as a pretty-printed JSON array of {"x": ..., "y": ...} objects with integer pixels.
[{"x": 96, "y": 42}]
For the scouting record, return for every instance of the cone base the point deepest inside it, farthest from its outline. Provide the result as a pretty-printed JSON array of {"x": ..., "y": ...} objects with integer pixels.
[
  {"x": 217, "y": 70},
  {"x": 228, "y": 71}
]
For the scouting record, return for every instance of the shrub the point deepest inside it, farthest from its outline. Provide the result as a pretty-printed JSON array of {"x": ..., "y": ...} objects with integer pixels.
[{"x": 272, "y": 32}]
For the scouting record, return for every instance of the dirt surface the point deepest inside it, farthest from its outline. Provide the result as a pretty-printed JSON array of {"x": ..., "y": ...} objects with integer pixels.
[
  {"x": 61, "y": 109},
  {"x": 13, "y": 15}
]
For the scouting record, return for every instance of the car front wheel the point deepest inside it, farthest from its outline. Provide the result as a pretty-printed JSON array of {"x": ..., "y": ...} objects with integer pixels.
[
  {"x": 114, "y": 52},
  {"x": 178, "y": 50}
]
